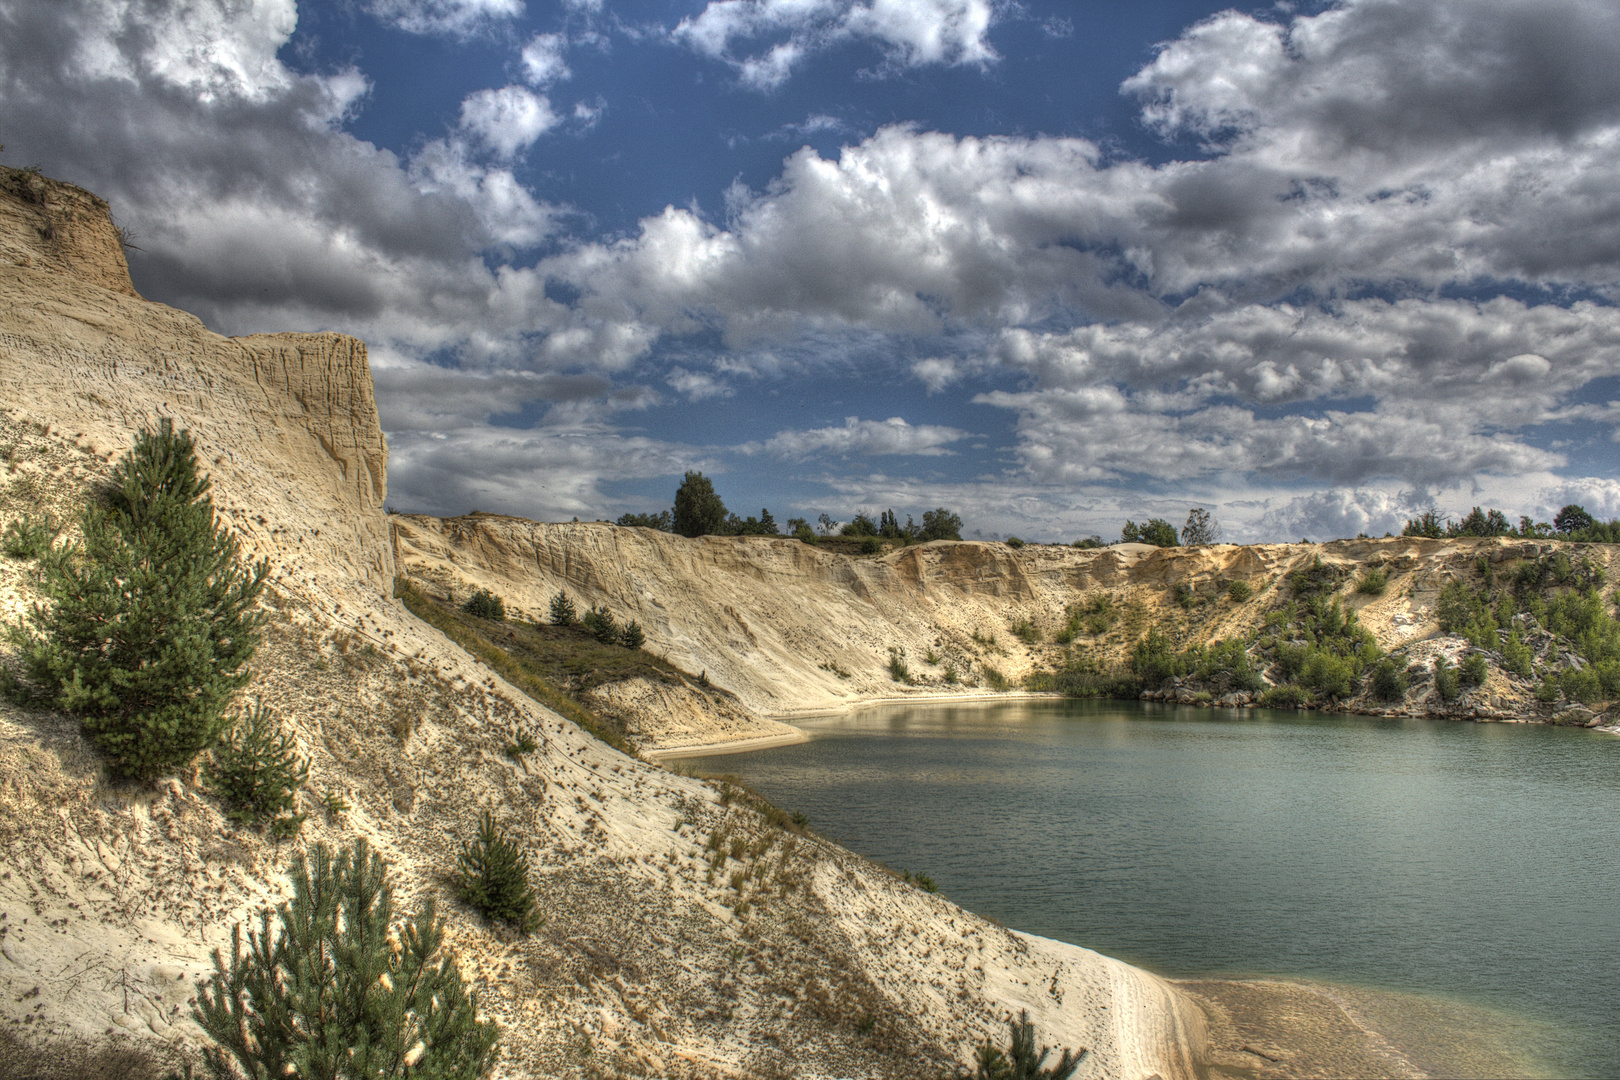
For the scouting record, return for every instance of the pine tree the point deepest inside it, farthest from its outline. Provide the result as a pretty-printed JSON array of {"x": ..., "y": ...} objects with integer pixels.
[
  {"x": 151, "y": 621},
  {"x": 1020, "y": 1061},
  {"x": 493, "y": 876},
  {"x": 257, "y": 772},
  {"x": 485, "y": 605},
  {"x": 562, "y": 610},
  {"x": 328, "y": 993},
  {"x": 632, "y": 636},
  {"x": 599, "y": 621}
]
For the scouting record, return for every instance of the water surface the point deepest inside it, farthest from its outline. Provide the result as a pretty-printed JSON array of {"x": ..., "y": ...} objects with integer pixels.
[{"x": 1470, "y": 861}]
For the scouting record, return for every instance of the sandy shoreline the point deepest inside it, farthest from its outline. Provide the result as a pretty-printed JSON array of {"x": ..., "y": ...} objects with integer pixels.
[{"x": 766, "y": 742}]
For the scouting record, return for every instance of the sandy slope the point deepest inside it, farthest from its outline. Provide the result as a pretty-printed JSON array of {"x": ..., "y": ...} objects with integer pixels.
[{"x": 782, "y": 956}]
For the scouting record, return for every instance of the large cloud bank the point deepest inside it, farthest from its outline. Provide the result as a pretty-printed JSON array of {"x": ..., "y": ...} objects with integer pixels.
[{"x": 1384, "y": 259}]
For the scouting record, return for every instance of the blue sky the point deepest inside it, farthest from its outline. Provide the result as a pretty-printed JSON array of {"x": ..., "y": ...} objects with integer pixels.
[{"x": 1053, "y": 265}]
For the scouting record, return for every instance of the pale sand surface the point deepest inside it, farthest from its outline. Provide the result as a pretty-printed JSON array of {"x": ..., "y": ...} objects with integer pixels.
[
  {"x": 730, "y": 746},
  {"x": 1273, "y": 1030}
]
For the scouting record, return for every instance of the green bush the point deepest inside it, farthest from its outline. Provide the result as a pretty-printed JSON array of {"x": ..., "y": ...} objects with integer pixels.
[
  {"x": 335, "y": 989},
  {"x": 492, "y": 874},
  {"x": 1516, "y": 655},
  {"x": 150, "y": 624},
  {"x": 871, "y": 545},
  {"x": 1026, "y": 631},
  {"x": 1014, "y": 542},
  {"x": 1157, "y": 531},
  {"x": 1284, "y": 696},
  {"x": 1226, "y": 661},
  {"x": 484, "y": 604},
  {"x": 1474, "y": 670},
  {"x": 1548, "y": 690},
  {"x": 698, "y": 510},
  {"x": 805, "y": 533},
  {"x": 1581, "y": 685},
  {"x": 1239, "y": 591},
  {"x": 859, "y": 525},
  {"x": 1327, "y": 674},
  {"x": 600, "y": 622},
  {"x": 1020, "y": 1061},
  {"x": 994, "y": 679},
  {"x": 1446, "y": 682},
  {"x": 899, "y": 671},
  {"x": 1372, "y": 582},
  {"x": 257, "y": 773},
  {"x": 940, "y": 524},
  {"x": 1152, "y": 660},
  {"x": 562, "y": 610},
  {"x": 26, "y": 538},
  {"x": 1388, "y": 681},
  {"x": 632, "y": 637},
  {"x": 663, "y": 521}
]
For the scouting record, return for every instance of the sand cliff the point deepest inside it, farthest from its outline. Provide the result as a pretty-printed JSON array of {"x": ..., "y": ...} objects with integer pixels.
[{"x": 801, "y": 959}]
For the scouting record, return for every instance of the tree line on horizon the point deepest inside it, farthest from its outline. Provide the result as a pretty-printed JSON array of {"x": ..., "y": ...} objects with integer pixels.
[{"x": 699, "y": 511}]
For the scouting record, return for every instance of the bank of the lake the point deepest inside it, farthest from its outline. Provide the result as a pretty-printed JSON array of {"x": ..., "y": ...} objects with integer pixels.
[{"x": 1466, "y": 864}]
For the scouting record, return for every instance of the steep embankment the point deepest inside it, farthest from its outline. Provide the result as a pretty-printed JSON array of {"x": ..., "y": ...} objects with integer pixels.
[
  {"x": 688, "y": 934},
  {"x": 789, "y": 628}
]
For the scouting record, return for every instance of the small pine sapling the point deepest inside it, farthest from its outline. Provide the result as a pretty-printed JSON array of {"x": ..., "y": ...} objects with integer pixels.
[
  {"x": 632, "y": 636},
  {"x": 484, "y": 604},
  {"x": 26, "y": 538},
  {"x": 1446, "y": 682},
  {"x": 258, "y": 774},
  {"x": 492, "y": 875},
  {"x": 599, "y": 621},
  {"x": 1020, "y": 1061},
  {"x": 329, "y": 986},
  {"x": 562, "y": 610}
]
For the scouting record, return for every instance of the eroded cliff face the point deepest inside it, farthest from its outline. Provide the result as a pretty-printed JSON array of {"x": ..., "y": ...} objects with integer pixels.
[{"x": 790, "y": 954}]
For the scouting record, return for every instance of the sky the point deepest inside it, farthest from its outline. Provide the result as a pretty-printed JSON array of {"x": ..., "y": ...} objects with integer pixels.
[{"x": 1054, "y": 266}]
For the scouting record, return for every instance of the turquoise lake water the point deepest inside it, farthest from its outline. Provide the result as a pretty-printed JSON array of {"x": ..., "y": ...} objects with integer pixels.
[{"x": 1471, "y": 861}]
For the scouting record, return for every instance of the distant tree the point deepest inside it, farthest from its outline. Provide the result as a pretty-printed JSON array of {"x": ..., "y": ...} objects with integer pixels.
[
  {"x": 563, "y": 612},
  {"x": 600, "y": 622},
  {"x": 1092, "y": 541},
  {"x": 632, "y": 636},
  {"x": 764, "y": 525},
  {"x": 859, "y": 525},
  {"x": 1534, "y": 530},
  {"x": 794, "y": 525},
  {"x": 940, "y": 524},
  {"x": 1573, "y": 518},
  {"x": 698, "y": 510},
  {"x": 1428, "y": 524},
  {"x": 663, "y": 521},
  {"x": 1201, "y": 528},
  {"x": 827, "y": 524},
  {"x": 1479, "y": 522},
  {"x": 1157, "y": 532}
]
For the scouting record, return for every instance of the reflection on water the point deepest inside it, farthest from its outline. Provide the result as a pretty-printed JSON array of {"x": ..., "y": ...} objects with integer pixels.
[{"x": 1469, "y": 860}]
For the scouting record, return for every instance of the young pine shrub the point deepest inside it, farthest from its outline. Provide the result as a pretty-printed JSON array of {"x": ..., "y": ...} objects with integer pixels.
[
  {"x": 26, "y": 538},
  {"x": 1581, "y": 685},
  {"x": 1014, "y": 542},
  {"x": 258, "y": 775},
  {"x": 632, "y": 636},
  {"x": 562, "y": 610},
  {"x": 899, "y": 670},
  {"x": 1020, "y": 1061},
  {"x": 150, "y": 623},
  {"x": 1373, "y": 582},
  {"x": 329, "y": 986},
  {"x": 1388, "y": 681},
  {"x": 1284, "y": 696},
  {"x": 1026, "y": 631},
  {"x": 1446, "y": 682},
  {"x": 484, "y": 604},
  {"x": 1516, "y": 655},
  {"x": 600, "y": 622},
  {"x": 1473, "y": 670},
  {"x": 492, "y": 875},
  {"x": 1239, "y": 591}
]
